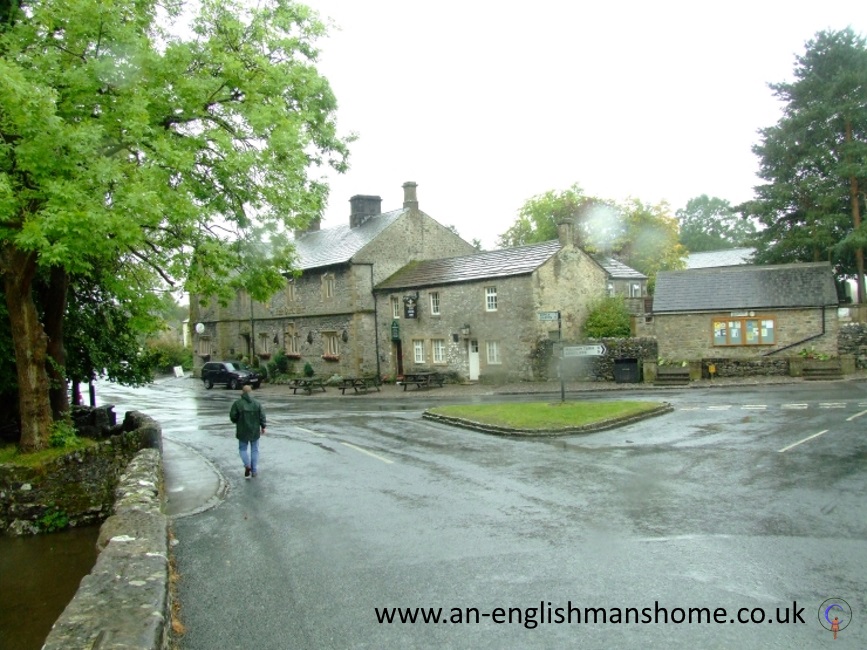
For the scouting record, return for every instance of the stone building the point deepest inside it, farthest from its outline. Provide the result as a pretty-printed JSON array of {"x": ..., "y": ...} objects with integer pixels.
[
  {"x": 478, "y": 316},
  {"x": 327, "y": 315},
  {"x": 745, "y": 312}
]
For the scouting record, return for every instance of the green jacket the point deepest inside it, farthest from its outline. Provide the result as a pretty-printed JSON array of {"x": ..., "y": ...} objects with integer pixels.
[{"x": 249, "y": 418}]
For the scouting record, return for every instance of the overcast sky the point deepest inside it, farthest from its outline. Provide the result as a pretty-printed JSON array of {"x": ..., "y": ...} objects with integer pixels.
[{"x": 486, "y": 104}]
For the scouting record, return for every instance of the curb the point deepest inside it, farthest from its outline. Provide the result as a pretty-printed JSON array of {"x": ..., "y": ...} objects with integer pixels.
[{"x": 587, "y": 428}]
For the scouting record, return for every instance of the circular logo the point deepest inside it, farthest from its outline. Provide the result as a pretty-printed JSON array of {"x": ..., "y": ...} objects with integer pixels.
[{"x": 835, "y": 608}]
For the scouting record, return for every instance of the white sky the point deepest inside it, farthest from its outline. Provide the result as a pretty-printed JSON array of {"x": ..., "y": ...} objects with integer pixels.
[{"x": 486, "y": 104}]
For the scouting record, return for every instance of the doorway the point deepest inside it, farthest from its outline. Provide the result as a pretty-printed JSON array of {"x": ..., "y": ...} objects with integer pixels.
[{"x": 473, "y": 348}]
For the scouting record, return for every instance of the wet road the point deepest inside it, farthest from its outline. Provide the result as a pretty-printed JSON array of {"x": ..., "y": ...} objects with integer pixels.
[{"x": 742, "y": 500}]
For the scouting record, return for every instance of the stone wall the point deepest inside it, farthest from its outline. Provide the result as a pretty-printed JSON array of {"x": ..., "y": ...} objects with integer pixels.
[
  {"x": 125, "y": 601},
  {"x": 78, "y": 487},
  {"x": 852, "y": 341}
]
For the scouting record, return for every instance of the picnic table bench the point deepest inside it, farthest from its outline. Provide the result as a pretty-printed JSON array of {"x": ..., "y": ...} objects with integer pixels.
[
  {"x": 359, "y": 384},
  {"x": 426, "y": 379},
  {"x": 307, "y": 384}
]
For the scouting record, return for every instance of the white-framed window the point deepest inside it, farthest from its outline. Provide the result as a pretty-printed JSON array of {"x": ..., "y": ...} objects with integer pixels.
[
  {"x": 395, "y": 307},
  {"x": 635, "y": 290},
  {"x": 330, "y": 344},
  {"x": 493, "y": 352},
  {"x": 438, "y": 348},
  {"x": 435, "y": 303},
  {"x": 490, "y": 298},
  {"x": 328, "y": 285},
  {"x": 264, "y": 344},
  {"x": 611, "y": 290},
  {"x": 418, "y": 350}
]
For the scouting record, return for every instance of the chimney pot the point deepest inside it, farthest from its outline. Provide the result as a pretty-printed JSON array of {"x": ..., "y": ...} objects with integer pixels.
[{"x": 410, "y": 200}]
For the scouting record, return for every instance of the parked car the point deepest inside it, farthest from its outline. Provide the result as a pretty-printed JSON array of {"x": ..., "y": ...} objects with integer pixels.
[{"x": 231, "y": 373}]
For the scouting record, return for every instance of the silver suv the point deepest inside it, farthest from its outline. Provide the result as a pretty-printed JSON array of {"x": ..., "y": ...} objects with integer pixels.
[{"x": 231, "y": 373}]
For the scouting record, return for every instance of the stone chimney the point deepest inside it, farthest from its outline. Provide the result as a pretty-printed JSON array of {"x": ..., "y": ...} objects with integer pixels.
[
  {"x": 410, "y": 200},
  {"x": 566, "y": 232},
  {"x": 313, "y": 226},
  {"x": 362, "y": 208}
]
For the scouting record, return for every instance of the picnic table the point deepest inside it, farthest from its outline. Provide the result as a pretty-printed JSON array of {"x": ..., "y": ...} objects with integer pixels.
[
  {"x": 422, "y": 379},
  {"x": 307, "y": 384},
  {"x": 359, "y": 384}
]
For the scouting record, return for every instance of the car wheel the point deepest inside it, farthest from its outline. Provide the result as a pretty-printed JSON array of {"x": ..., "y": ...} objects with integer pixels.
[
  {"x": 209, "y": 384},
  {"x": 256, "y": 385},
  {"x": 233, "y": 384}
]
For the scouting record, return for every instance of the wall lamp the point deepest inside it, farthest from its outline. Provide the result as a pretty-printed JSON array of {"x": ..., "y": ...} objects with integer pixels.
[
  {"x": 310, "y": 336},
  {"x": 465, "y": 331},
  {"x": 345, "y": 336}
]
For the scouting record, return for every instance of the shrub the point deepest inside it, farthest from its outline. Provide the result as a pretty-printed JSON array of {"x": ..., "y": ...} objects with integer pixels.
[
  {"x": 62, "y": 434},
  {"x": 308, "y": 370},
  {"x": 167, "y": 354},
  {"x": 608, "y": 318}
]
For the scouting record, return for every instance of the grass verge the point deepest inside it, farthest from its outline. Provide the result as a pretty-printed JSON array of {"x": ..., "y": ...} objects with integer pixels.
[
  {"x": 545, "y": 416},
  {"x": 9, "y": 454}
]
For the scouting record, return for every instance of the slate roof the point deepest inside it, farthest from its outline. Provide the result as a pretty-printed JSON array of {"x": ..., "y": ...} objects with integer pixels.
[
  {"x": 500, "y": 263},
  {"x": 337, "y": 245},
  {"x": 747, "y": 286},
  {"x": 727, "y": 257},
  {"x": 617, "y": 270}
]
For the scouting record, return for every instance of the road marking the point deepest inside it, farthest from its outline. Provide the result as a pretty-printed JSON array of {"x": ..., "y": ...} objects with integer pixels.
[
  {"x": 794, "y": 406},
  {"x": 754, "y": 407},
  {"x": 800, "y": 442},
  {"x": 689, "y": 408},
  {"x": 312, "y": 432},
  {"x": 832, "y": 405},
  {"x": 857, "y": 415},
  {"x": 721, "y": 407},
  {"x": 369, "y": 453}
]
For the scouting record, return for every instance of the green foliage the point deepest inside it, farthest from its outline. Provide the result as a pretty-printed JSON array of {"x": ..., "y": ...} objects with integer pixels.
[
  {"x": 308, "y": 370},
  {"x": 134, "y": 158},
  {"x": 282, "y": 362},
  {"x": 62, "y": 434},
  {"x": 166, "y": 352},
  {"x": 538, "y": 217},
  {"x": 608, "y": 317},
  {"x": 814, "y": 160},
  {"x": 709, "y": 224},
  {"x": 642, "y": 236},
  {"x": 811, "y": 353},
  {"x": 53, "y": 520}
]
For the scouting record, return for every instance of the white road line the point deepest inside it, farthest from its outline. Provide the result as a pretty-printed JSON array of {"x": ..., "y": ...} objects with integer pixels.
[
  {"x": 754, "y": 407},
  {"x": 721, "y": 407},
  {"x": 312, "y": 432},
  {"x": 369, "y": 453},
  {"x": 688, "y": 408},
  {"x": 792, "y": 446},
  {"x": 794, "y": 406},
  {"x": 857, "y": 415},
  {"x": 832, "y": 405}
]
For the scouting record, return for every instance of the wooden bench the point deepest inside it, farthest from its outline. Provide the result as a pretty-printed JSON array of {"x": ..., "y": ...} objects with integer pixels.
[
  {"x": 306, "y": 384},
  {"x": 422, "y": 379},
  {"x": 359, "y": 384}
]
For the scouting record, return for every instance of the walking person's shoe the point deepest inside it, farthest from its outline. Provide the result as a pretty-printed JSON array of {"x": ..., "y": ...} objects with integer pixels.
[
  {"x": 247, "y": 471},
  {"x": 253, "y": 474}
]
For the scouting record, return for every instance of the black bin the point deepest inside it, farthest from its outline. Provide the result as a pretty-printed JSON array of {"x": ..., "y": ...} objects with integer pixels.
[{"x": 626, "y": 371}]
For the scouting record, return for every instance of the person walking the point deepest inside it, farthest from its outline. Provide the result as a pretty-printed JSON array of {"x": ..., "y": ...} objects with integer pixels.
[{"x": 249, "y": 418}]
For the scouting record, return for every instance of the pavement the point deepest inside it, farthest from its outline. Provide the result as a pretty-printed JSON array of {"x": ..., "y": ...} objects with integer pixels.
[{"x": 194, "y": 484}]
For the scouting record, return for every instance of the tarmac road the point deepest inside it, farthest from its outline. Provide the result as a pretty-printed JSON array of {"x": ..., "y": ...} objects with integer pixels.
[{"x": 744, "y": 502}]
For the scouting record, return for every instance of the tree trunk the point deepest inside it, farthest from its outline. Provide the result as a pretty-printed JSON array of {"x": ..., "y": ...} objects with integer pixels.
[
  {"x": 856, "y": 220},
  {"x": 29, "y": 343},
  {"x": 55, "y": 310}
]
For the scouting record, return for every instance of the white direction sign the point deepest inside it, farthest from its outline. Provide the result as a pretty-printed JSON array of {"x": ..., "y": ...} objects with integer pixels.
[
  {"x": 549, "y": 315},
  {"x": 584, "y": 351}
]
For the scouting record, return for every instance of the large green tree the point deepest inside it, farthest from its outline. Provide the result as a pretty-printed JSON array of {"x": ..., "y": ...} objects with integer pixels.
[
  {"x": 641, "y": 235},
  {"x": 814, "y": 160},
  {"x": 710, "y": 223},
  {"x": 123, "y": 145}
]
